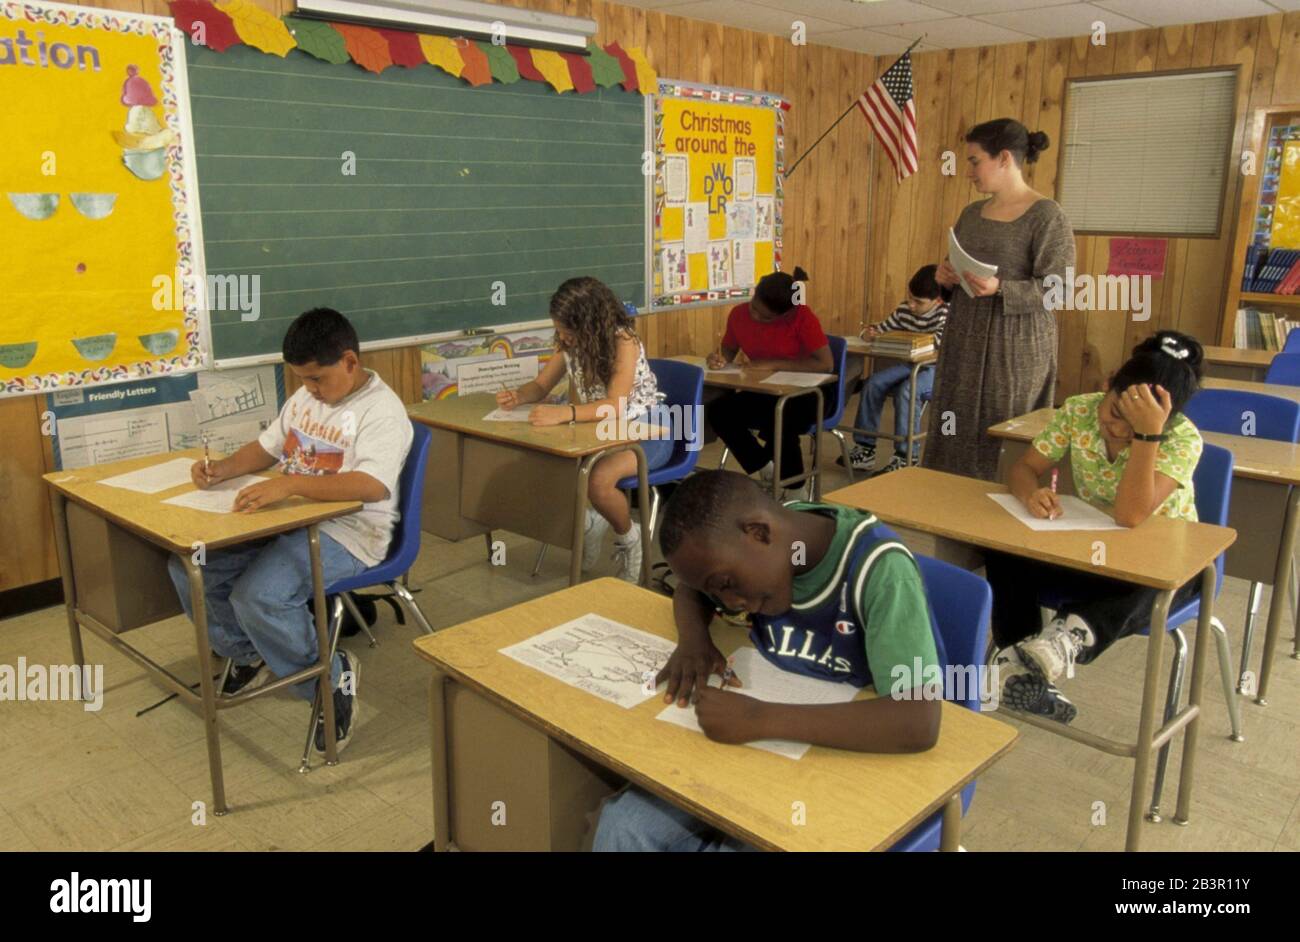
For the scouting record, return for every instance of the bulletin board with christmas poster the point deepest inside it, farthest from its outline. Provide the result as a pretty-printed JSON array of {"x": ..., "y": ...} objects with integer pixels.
[
  {"x": 103, "y": 271},
  {"x": 716, "y": 192}
]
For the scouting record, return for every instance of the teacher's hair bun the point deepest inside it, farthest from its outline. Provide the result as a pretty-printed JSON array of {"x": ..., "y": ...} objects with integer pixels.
[
  {"x": 799, "y": 274},
  {"x": 1038, "y": 142}
]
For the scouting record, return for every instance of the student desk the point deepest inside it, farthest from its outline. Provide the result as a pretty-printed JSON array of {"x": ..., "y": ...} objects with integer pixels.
[
  {"x": 957, "y": 509},
  {"x": 1265, "y": 512},
  {"x": 1235, "y": 363},
  {"x": 513, "y": 476},
  {"x": 851, "y": 801},
  {"x": 1268, "y": 389},
  {"x": 863, "y": 350},
  {"x": 113, "y": 546},
  {"x": 749, "y": 380}
]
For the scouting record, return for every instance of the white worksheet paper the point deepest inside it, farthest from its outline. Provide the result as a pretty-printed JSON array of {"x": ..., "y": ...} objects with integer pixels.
[
  {"x": 733, "y": 368},
  {"x": 1076, "y": 514},
  {"x": 610, "y": 660},
  {"x": 696, "y": 227},
  {"x": 793, "y": 378},
  {"x": 517, "y": 414},
  {"x": 677, "y": 180},
  {"x": 963, "y": 263},
  {"x": 155, "y": 478},
  {"x": 763, "y": 680},
  {"x": 218, "y": 499}
]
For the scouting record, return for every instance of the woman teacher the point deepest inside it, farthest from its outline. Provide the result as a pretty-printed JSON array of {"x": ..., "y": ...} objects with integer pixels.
[{"x": 999, "y": 348}]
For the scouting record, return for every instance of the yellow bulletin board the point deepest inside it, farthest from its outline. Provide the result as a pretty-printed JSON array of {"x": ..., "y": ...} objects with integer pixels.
[
  {"x": 1286, "y": 210},
  {"x": 717, "y": 191},
  {"x": 102, "y": 275}
]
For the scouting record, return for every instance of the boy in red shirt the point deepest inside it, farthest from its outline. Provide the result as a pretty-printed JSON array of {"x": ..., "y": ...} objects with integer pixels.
[{"x": 774, "y": 333}]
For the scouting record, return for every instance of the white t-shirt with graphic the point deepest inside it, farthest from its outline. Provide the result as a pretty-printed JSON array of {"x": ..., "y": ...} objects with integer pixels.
[{"x": 367, "y": 431}]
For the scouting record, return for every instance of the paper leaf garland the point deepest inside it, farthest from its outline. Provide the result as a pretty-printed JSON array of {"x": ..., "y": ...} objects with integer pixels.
[
  {"x": 625, "y": 62},
  {"x": 646, "y": 79},
  {"x": 404, "y": 47},
  {"x": 524, "y": 60},
  {"x": 501, "y": 62},
  {"x": 257, "y": 28},
  {"x": 579, "y": 72},
  {"x": 476, "y": 71},
  {"x": 200, "y": 20},
  {"x": 318, "y": 39},
  {"x": 442, "y": 52},
  {"x": 367, "y": 48},
  {"x": 605, "y": 69},
  {"x": 554, "y": 68}
]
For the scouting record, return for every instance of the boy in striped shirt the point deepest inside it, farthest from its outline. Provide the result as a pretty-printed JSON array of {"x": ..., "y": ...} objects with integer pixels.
[
  {"x": 830, "y": 593},
  {"x": 925, "y": 312}
]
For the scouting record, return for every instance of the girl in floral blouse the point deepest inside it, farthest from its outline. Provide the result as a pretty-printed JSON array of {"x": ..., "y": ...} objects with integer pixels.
[{"x": 1132, "y": 454}]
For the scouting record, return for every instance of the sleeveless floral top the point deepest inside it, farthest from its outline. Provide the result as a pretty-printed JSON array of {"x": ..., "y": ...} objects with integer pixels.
[{"x": 642, "y": 396}]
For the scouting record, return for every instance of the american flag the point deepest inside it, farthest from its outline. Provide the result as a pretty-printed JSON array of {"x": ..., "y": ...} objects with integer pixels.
[{"x": 887, "y": 105}]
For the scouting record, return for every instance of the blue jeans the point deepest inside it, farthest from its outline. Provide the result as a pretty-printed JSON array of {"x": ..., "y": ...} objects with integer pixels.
[
  {"x": 898, "y": 380},
  {"x": 256, "y": 597},
  {"x": 638, "y": 821}
]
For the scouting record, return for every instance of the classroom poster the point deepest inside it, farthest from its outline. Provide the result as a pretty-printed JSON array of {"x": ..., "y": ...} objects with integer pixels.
[
  {"x": 733, "y": 144},
  {"x": 102, "y": 272},
  {"x": 441, "y": 362}
]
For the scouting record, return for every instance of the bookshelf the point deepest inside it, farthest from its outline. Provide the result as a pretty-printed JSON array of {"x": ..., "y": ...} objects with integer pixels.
[{"x": 1260, "y": 130}]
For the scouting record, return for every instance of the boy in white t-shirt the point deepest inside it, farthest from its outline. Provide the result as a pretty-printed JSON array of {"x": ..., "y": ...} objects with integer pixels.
[{"x": 343, "y": 435}]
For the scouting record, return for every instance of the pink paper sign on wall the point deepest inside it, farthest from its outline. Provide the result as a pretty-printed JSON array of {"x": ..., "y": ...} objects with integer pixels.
[{"x": 1138, "y": 257}]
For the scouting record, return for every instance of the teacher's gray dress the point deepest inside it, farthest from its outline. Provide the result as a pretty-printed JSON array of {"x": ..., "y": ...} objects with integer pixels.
[{"x": 999, "y": 353}]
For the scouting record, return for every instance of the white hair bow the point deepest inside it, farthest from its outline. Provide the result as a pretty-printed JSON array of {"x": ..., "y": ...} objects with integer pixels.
[{"x": 1170, "y": 346}]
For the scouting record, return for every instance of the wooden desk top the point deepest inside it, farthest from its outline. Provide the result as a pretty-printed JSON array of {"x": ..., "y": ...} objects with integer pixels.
[
  {"x": 179, "y": 528},
  {"x": 860, "y": 347},
  {"x": 1159, "y": 552},
  {"x": 854, "y": 801},
  {"x": 749, "y": 380},
  {"x": 1233, "y": 356},
  {"x": 1258, "y": 458},
  {"x": 1268, "y": 389},
  {"x": 464, "y": 414}
]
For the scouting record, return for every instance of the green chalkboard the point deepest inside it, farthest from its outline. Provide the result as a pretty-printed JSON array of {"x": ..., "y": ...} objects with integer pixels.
[{"x": 455, "y": 190}]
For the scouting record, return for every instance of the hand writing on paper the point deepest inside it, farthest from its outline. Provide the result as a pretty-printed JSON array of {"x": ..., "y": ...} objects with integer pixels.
[
  {"x": 730, "y": 717},
  {"x": 1146, "y": 408},
  {"x": 550, "y": 415},
  {"x": 946, "y": 275},
  {"x": 688, "y": 670},
  {"x": 204, "y": 476},
  {"x": 264, "y": 493},
  {"x": 508, "y": 398},
  {"x": 715, "y": 361},
  {"x": 1044, "y": 504},
  {"x": 983, "y": 287}
]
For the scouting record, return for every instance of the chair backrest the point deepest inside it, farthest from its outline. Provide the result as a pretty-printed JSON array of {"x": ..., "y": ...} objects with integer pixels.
[
  {"x": 834, "y": 394},
  {"x": 1285, "y": 368},
  {"x": 1228, "y": 410},
  {"x": 405, "y": 545},
  {"x": 1292, "y": 342},
  {"x": 682, "y": 385},
  {"x": 962, "y": 603},
  {"x": 1213, "y": 482}
]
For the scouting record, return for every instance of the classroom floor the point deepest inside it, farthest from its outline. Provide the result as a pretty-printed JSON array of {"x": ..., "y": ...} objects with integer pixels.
[{"x": 112, "y": 780}]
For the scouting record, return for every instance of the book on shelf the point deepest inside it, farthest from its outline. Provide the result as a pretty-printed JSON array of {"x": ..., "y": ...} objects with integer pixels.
[{"x": 1260, "y": 330}]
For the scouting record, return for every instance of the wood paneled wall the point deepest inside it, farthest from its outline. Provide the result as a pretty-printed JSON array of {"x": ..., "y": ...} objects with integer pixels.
[{"x": 859, "y": 234}]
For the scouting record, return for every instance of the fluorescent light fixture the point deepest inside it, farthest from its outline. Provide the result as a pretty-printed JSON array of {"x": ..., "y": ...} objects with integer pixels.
[{"x": 459, "y": 18}]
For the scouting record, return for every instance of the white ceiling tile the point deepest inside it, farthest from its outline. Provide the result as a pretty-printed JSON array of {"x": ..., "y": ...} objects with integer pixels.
[
  {"x": 650, "y": 4},
  {"x": 1286, "y": 6},
  {"x": 851, "y": 13},
  {"x": 745, "y": 15},
  {"x": 956, "y": 33},
  {"x": 1176, "y": 12},
  {"x": 1073, "y": 19},
  {"x": 977, "y": 7},
  {"x": 867, "y": 41}
]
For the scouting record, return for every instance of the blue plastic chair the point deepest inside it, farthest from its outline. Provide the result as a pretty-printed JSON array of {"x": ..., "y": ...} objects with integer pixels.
[
  {"x": 1285, "y": 368},
  {"x": 1278, "y": 419},
  {"x": 402, "y": 551},
  {"x": 681, "y": 389},
  {"x": 1213, "y": 483},
  {"x": 834, "y": 404},
  {"x": 962, "y": 604},
  {"x": 1292, "y": 342}
]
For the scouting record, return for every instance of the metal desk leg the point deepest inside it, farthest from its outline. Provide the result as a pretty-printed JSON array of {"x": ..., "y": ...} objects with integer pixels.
[
  {"x": 323, "y": 647},
  {"x": 911, "y": 414},
  {"x": 1281, "y": 579},
  {"x": 58, "y": 504},
  {"x": 950, "y": 833},
  {"x": 1147, "y": 718},
  {"x": 778, "y": 426},
  {"x": 1191, "y": 737},
  {"x": 438, "y": 755},
  {"x": 207, "y": 689}
]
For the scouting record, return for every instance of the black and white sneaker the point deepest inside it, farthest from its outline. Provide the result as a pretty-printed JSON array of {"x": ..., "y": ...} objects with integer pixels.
[
  {"x": 245, "y": 677},
  {"x": 346, "y": 705},
  {"x": 895, "y": 463},
  {"x": 862, "y": 458},
  {"x": 1031, "y": 692}
]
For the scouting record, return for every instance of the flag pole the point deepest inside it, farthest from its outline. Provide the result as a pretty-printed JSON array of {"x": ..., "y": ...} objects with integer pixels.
[{"x": 789, "y": 173}]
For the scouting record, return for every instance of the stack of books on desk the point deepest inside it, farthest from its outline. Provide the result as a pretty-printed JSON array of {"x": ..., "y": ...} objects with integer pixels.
[{"x": 903, "y": 344}]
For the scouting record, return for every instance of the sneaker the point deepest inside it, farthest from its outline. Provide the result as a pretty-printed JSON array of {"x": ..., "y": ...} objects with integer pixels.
[
  {"x": 593, "y": 538},
  {"x": 627, "y": 553},
  {"x": 245, "y": 677},
  {"x": 1030, "y": 693},
  {"x": 767, "y": 474},
  {"x": 1007, "y": 665},
  {"x": 346, "y": 708},
  {"x": 861, "y": 458},
  {"x": 895, "y": 463},
  {"x": 1054, "y": 650}
]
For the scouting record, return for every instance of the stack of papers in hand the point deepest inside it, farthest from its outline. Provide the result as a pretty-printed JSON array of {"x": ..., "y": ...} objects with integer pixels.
[{"x": 963, "y": 263}]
